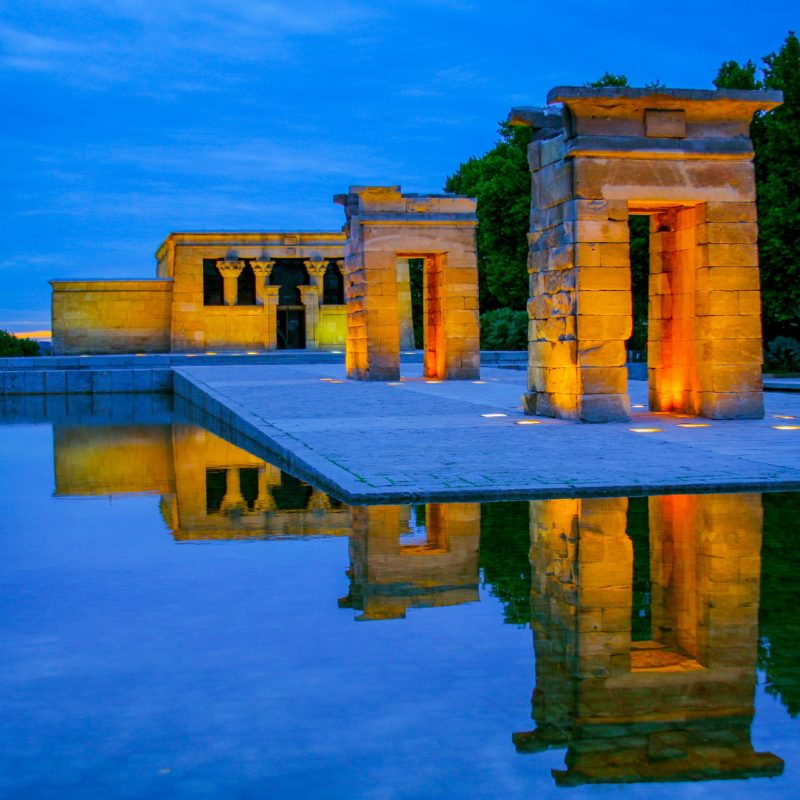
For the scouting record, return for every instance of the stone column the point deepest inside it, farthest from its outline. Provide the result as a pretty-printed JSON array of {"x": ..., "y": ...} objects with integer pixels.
[
  {"x": 265, "y": 501},
  {"x": 262, "y": 267},
  {"x": 270, "y": 296},
  {"x": 404, "y": 305},
  {"x": 233, "y": 502},
  {"x": 312, "y": 296},
  {"x": 231, "y": 269}
]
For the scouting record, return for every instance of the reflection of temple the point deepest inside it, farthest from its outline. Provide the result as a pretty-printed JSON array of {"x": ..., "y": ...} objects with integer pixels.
[
  {"x": 401, "y": 556},
  {"x": 410, "y": 557},
  {"x": 210, "y": 489},
  {"x": 654, "y": 685}
]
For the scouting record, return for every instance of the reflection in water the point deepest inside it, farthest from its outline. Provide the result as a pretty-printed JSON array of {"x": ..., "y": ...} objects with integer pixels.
[
  {"x": 644, "y": 612},
  {"x": 676, "y": 702},
  {"x": 393, "y": 567}
]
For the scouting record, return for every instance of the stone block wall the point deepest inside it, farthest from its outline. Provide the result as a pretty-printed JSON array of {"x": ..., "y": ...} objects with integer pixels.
[
  {"x": 121, "y": 316},
  {"x": 383, "y": 226},
  {"x": 683, "y": 158}
]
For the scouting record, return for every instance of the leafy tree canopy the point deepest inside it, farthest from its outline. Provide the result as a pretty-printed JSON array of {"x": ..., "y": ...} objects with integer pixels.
[
  {"x": 11, "y": 346},
  {"x": 501, "y": 182},
  {"x": 776, "y": 137},
  {"x": 608, "y": 79}
]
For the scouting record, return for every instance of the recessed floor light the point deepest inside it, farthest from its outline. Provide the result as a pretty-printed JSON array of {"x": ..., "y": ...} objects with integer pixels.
[
  {"x": 528, "y": 422},
  {"x": 645, "y": 430},
  {"x": 490, "y": 416},
  {"x": 786, "y": 427},
  {"x": 694, "y": 425}
]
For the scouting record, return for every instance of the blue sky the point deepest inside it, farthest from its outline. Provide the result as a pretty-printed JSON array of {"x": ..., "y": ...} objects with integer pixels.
[{"x": 128, "y": 119}]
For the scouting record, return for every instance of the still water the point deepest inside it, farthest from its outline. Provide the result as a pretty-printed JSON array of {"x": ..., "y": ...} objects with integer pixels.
[{"x": 182, "y": 620}]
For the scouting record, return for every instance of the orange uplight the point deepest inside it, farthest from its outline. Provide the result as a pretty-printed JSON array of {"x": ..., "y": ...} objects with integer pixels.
[
  {"x": 645, "y": 430},
  {"x": 252, "y": 353},
  {"x": 210, "y": 353},
  {"x": 528, "y": 422}
]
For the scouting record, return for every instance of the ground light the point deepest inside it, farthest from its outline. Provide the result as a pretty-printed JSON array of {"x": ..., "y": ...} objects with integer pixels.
[
  {"x": 645, "y": 430},
  {"x": 490, "y": 416},
  {"x": 783, "y": 416},
  {"x": 786, "y": 427},
  {"x": 694, "y": 425},
  {"x": 528, "y": 422}
]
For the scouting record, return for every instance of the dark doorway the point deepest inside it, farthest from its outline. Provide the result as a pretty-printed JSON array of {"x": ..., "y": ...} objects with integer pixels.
[
  {"x": 333, "y": 286},
  {"x": 246, "y": 289},
  {"x": 212, "y": 283},
  {"x": 291, "y": 327}
]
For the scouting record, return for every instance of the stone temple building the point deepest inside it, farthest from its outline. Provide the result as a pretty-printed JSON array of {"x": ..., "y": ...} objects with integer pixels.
[{"x": 213, "y": 290}]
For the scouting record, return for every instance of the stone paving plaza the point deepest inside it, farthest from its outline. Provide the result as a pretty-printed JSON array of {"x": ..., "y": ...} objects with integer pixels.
[{"x": 417, "y": 439}]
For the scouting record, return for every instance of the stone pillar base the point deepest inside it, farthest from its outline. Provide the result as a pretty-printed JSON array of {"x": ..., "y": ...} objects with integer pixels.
[
  {"x": 585, "y": 407},
  {"x": 374, "y": 374}
]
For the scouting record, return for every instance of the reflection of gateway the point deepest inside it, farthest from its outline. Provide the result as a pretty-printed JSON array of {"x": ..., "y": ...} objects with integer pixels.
[
  {"x": 671, "y": 700},
  {"x": 412, "y": 557}
]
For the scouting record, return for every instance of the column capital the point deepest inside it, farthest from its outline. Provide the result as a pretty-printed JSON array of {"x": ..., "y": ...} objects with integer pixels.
[
  {"x": 230, "y": 267},
  {"x": 262, "y": 266},
  {"x": 316, "y": 268}
]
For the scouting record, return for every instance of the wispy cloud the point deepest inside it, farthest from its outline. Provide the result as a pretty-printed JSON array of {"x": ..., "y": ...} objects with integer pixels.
[{"x": 139, "y": 42}]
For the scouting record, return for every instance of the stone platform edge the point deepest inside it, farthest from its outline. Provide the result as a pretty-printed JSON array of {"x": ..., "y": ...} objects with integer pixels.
[
  {"x": 197, "y": 402},
  {"x": 152, "y": 372}
]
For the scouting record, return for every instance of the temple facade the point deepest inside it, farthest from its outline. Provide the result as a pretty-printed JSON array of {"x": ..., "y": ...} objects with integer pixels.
[{"x": 213, "y": 291}]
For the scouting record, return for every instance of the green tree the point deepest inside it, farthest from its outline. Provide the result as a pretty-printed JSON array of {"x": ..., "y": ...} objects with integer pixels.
[
  {"x": 608, "y": 79},
  {"x": 776, "y": 137},
  {"x": 501, "y": 182},
  {"x": 733, "y": 75},
  {"x": 11, "y": 346}
]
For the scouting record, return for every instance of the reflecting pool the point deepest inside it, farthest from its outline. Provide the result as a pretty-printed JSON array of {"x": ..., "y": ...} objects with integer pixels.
[{"x": 181, "y": 619}]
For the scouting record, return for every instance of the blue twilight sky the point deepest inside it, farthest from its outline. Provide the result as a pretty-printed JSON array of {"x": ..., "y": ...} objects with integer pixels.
[{"x": 127, "y": 119}]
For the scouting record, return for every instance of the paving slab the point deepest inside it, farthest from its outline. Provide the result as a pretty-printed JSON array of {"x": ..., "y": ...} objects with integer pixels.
[{"x": 413, "y": 440}]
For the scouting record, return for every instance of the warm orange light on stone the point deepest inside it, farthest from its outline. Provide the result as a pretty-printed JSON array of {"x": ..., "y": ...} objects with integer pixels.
[
  {"x": 384, "y": 225},
  {"x": 683, "y": 158},
  {"x": 645, "y": 709}
]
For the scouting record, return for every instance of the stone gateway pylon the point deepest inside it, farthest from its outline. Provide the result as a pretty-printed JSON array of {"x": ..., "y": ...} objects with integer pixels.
[
  {"x": 684, "y": 159},
  {"x": 384, "y": 226}
]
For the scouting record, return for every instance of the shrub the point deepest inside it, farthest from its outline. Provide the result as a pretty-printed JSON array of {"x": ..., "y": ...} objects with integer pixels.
[
  {"x": 504, "y": 329},
  {"x": 783, "y": 354},
  {"x": 11, "y": 346}
]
